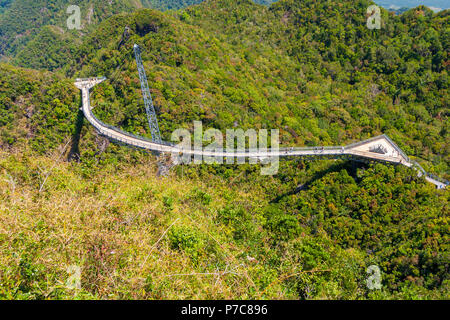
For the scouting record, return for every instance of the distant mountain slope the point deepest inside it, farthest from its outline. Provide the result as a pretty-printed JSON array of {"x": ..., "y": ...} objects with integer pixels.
[
  {"x": 395, "y": 4},
  {"x": 169, "y": 4},
  {"x": 23, "y": 19},
  {"x": 36, "y": 108},
  {"x": 4, "y": 4},
  {"x": 179, "y": 4},
  {"x": 24, "y": 23},
  {"x": 50, "y": 49}
]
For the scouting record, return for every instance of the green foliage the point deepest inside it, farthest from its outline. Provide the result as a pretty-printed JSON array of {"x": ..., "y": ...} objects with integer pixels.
[
  {"x": 200, "y": 196},
  {"x": 24, "y": 28},
  {"x": 241, "y": 224},
  {"x": 382, "y": 213},
  {"x": 49, "y": 49},
  {"x": 284, "y": 226},
  {"x": 187, "y": 240},
  {"x": 168, "y": 4}
]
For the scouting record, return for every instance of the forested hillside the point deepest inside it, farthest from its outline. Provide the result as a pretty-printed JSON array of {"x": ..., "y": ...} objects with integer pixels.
[
  {"x": 168, "y": 4},
  {"x": 28, "y": 26},
  {"x": 309, "y": 68},
  {"x": 404, "y": 62},
  {"x": 4, "y": 4},
  {"x": 22, "y": 20}
]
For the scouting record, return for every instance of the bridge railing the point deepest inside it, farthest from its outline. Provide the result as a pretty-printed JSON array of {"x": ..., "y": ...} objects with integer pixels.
[
  {"x": 248, "y": 151},
  {"x": 444, "y": 181},
  {"x": 397, "y": 148},
  {"x": 113, "y": 128},
  {"x": 347, "y": 150},
  {"x": 430, "y": 175},
  {"x": 100, "y": 127},
  {"x": 90, "y": 79},
  {"x": 350, "y": 146},
  {"x": 311, "y": 148},
  {"x": 124, "y": 133}
]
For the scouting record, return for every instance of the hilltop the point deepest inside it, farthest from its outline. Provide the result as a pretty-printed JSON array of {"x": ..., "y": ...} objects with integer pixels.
[{"x": 38, "y": 21}]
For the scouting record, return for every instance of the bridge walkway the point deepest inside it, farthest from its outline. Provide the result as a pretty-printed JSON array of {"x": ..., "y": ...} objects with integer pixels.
[{"x": 364, "y": 150}]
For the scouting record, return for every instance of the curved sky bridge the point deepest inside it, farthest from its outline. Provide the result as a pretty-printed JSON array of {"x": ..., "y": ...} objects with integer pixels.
[{"x": 379, "y": 149}]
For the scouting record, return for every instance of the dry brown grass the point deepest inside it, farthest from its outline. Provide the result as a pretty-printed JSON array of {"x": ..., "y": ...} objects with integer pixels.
[{"x": 114, "y": 225}]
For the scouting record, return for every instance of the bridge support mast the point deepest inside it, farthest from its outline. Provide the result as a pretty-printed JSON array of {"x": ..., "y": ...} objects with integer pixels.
[{"x": 149, "y": 108}]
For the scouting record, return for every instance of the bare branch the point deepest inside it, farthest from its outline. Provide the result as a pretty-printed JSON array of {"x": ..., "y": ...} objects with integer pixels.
[
  {"x": 156, "y": 243},
  {"x": 47, "y": 174}
]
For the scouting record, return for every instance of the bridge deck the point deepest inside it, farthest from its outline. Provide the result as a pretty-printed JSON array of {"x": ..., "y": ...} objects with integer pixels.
[{"x": 359, "y": 150}]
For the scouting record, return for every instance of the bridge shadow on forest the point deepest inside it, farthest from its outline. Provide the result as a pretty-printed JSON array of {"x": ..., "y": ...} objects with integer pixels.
[
  {"x": 74, "y": 153},
  {"x": 351, "y": 166}
]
